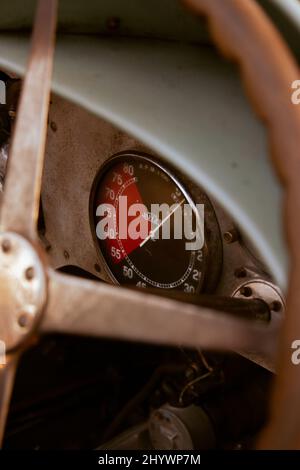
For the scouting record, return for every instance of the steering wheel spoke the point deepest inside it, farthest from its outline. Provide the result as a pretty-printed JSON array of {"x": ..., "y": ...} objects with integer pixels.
[
  {"x": 7, "y": 376},
  {"x": 20, "y": 204},
  {"x": 85, "y": 307}
]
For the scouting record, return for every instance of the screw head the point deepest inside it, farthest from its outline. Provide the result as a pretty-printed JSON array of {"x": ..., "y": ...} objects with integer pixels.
[
  {"x": 276, "y": 306},
  {"x": 246, "y": 291},
  {"x": 6, "y": 245},
  {"x": 29, "y": 273},
  {"x": 231, "y": 236},
  {"x": 23, "y": 320}
]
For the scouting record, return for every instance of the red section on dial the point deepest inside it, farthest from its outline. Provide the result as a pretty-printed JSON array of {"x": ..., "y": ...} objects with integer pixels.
[{"x": 120, "y": 182}]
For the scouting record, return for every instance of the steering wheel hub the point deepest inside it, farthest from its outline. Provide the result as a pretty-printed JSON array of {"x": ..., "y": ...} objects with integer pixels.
[{"x": 22, "y": 289}]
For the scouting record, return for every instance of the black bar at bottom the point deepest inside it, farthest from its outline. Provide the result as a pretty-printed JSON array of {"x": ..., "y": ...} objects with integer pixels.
[{"x": 133, "y": 459}]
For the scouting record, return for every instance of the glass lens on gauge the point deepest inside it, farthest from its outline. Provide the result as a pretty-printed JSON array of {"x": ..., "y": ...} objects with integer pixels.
[{"x": 142, "y": 247}]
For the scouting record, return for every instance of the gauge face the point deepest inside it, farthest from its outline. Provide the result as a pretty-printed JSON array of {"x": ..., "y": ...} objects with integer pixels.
[{"x": 139, "y": 213}]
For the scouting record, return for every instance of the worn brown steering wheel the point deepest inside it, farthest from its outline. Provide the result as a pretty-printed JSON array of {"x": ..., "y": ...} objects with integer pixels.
[{"x": 34, "y": 299}]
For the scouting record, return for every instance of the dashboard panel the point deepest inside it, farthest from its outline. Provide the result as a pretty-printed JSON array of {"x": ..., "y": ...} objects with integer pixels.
[{"x": 88, "y": 162}]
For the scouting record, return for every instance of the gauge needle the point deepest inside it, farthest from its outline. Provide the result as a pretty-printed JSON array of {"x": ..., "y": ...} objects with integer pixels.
[{"x": 162, "y": 222}]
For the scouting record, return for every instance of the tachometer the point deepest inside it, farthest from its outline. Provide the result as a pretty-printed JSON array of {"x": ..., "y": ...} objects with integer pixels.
[{"x": 149, "y": 231}]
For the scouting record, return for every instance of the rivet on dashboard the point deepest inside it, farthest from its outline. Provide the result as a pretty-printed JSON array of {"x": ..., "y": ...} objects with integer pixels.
[{"x": 231, "y": 236}]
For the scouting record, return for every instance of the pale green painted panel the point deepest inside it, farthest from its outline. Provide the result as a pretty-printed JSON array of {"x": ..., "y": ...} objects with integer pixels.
[
  {"x": 188, "y": 105},
  {"x": 167, "y": 19}
]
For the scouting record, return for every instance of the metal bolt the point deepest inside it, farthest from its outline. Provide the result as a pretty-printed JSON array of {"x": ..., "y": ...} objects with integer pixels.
[
  {"x": 231, "y": 236},
  {"x": 23, "y": 320},
  {"x": 29, "y": 273},
  {"x": 246, "y": 291},
  {"x": 6, "y": 246},
  {"x": 276, "y": 306}
]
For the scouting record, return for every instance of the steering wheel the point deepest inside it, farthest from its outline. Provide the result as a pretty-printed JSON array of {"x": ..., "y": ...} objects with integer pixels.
[{"x": 34, "y": 299}]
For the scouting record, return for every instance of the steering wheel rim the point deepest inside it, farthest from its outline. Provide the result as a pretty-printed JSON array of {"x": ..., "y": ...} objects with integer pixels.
[
  {"x": 243, "y": 33},
  {"x": 240, "y": 30}
]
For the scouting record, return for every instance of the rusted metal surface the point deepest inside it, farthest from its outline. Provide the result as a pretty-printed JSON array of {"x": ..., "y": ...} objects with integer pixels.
[
  {"x": 255, "y": 308},
  {"x": 81, "y": 306},
  {"x": 23, "y": 181},
  {"x": 76, "y": 149},
  {"x": 80, "y": 145}
]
